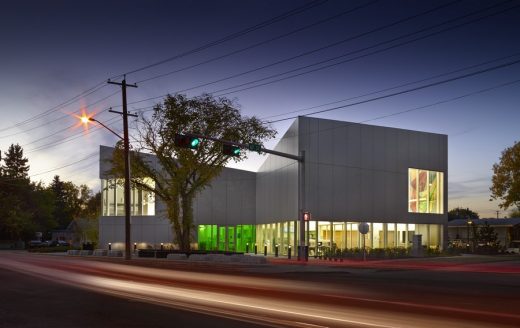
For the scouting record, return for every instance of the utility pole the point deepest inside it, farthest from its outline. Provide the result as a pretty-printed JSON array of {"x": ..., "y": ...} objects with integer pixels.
[
  {"x": 128, "y": 254},
  {"x": 497, "y": 213}
]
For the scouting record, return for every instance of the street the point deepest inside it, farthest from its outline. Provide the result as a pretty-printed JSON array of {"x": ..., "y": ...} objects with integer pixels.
[{"x": 74, "y": 292}]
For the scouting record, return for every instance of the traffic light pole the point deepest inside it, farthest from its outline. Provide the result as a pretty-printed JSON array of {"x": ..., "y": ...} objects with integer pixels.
[
  {"x": 126, "y": 143},
  {"x": 302, "y": 249}
]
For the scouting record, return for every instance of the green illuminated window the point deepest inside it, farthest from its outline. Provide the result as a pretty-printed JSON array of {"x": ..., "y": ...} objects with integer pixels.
[
  {"x": 246, "y": 234},
  {"x": 207, "y": 237}
]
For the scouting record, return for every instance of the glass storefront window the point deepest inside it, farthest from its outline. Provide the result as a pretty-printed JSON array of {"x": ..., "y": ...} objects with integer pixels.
[
  {"x": 338, "y": 240},
  {"x": 112, "y": 195},
  {"x": 378, "y": 239},
  {"x": 425, "y": 191},
  {"x": 391, "y": 235},
  {"x": 207, "y": 237}
]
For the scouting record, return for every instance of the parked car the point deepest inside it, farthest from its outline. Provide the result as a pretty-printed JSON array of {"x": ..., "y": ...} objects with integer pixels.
[
  {"x": 54, "y": 243},
  {"x": 35, "y": 243}
]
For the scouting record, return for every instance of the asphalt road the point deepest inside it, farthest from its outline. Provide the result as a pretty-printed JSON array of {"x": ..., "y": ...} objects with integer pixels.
[
  {"x": 28, "y": 302},
  {"x": 62, "y": 291}
]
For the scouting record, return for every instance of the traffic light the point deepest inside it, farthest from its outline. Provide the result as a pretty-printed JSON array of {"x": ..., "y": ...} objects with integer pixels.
[
  {"x": 230, "y": 150},
  {"x": 184, "y": 141}
]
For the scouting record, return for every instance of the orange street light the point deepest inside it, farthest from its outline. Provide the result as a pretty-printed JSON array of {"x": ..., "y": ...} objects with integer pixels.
[{"x": 86, "y": 120}]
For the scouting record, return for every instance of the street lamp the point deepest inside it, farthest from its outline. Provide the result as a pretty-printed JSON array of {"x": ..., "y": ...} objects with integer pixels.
[{"x": 85, "y": 120}]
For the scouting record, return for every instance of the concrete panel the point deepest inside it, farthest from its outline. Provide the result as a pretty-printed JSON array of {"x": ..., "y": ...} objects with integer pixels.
[
  {"x": 325, "y": 192},
  {"x": 339, "y": 145},
  {"x": 367, "y": 147},
  {"x": 378, "y": 149},
  {"x": 340, "y": 192},
  {"x": 354, "y": 145}
]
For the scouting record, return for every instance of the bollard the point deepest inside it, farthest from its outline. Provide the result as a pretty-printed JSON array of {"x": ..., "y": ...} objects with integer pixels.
[
  {"x": 247, "y": 248},
  {"x": 135, "y": 247},
  {"x": 256, "y": 249},
  {"x": 265, "y": 249},
  {"x": 289, "y": 252},
  {"x": 276, "y": 250},
  {"x": 162, "y": 246},
  {"x": 109, "y": 246}
]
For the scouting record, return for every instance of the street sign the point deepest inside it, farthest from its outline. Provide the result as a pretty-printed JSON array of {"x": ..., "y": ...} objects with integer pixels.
[
  {"x": 363, "y": 228},
  {"x": 254, "y": 147}
]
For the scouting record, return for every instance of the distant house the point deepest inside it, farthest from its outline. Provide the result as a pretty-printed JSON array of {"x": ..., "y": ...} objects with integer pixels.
[
  {"x": 78, "y": 232},
  {"x": 460, "y": 231}
]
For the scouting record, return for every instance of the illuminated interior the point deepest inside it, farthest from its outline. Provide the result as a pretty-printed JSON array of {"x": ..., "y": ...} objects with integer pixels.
[
  {"x": 112, "y": 194},
  {"x": 238, "y": 238}
]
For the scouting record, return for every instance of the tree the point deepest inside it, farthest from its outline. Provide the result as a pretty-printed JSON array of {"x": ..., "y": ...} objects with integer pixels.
[
  {"x": 462, "y": 213},
  {"x": 15, "y": 213},
  {"x": 185, "y": 172},
  {"x": 506, "y": 178},
  {"x": 16, "y": 166},
  {"x": 67, "y": 201},
  {"x": 486, "y": 239},
  {"x": 515, "y": 213}
]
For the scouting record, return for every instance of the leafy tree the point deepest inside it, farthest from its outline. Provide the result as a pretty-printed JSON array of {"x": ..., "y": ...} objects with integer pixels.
[
  {"x": 515, "y": 213},
  {"x": 506, "y": 178},
  {"x": 67, "y": 201},
  {"x": 184, "y": 172},
  {"x": 91, "y": 205},
  {"x": 462, "y": 213},
  {"x": 487, "y": 236}
]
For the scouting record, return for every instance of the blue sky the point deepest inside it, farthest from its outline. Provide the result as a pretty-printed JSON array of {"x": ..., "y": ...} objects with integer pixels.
[{"x": 53, "y": 51}]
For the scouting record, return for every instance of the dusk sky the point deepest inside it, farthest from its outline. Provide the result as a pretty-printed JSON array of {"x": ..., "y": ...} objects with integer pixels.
[{"x": 458, "y": 61}]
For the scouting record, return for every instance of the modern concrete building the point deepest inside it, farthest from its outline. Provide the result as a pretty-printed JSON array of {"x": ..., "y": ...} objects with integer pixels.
[{"x": 393, "y": 179}]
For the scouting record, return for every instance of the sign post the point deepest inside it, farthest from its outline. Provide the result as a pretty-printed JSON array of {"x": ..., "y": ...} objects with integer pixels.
[{"x": 363, "y": 229}]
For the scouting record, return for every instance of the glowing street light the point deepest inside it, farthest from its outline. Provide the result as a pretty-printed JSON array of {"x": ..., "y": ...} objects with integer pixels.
[{"x": 85, "y": 119}]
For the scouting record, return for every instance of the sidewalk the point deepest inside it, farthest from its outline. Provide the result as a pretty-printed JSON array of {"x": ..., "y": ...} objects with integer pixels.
[{"x": 474, "y": 263}]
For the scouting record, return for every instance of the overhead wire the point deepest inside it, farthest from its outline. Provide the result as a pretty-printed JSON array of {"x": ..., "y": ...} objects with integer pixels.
[
  {"x": 482, "y": 71},
  {"x": 217, "y": 92},
  {"x": 221, "y": 92},
  {"x": 100, "y": 85},
  {"x": 396, "y": 86},
  {"x": 261, "y": 43},
  {"x": 232, "y": 36},
  {"x": 85, "y": 93}
]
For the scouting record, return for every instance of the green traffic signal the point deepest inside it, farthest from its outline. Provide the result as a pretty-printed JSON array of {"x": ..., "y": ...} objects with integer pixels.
[
  {"x": 186, "y": 141},
  {"x": 230, "y": 150},
  {"x": 195, "y": 142}
]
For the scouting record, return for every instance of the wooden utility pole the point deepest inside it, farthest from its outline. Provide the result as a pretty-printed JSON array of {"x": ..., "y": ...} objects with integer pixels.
[{"x": 128, "y": 254}]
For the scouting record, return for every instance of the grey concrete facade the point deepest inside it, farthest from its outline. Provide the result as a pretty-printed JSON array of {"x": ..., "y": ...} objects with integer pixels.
[
  {"x": 229, "y": 200},
  {"x": 353, "y": 172}
]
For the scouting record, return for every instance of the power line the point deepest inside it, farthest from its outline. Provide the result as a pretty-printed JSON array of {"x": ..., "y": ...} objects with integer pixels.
[
  {"x": 445, "y": 101},
  {"x": 359, "y": 50},
  {"x": 408, "y": 90},
  {"x": 263, "y": 42},
  {"x": 343, "y": 55},
  {"x": 232, "y": 36},
  {"x": 85, "y": 93},
  {"x": 397, "y": 86},
  {"x": 480, "y": 91}
]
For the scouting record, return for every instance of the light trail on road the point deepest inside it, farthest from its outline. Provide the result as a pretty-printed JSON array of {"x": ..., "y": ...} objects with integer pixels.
[{"x": 270, "y": 301}]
